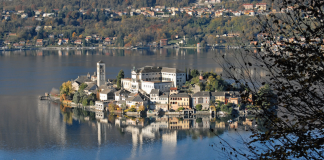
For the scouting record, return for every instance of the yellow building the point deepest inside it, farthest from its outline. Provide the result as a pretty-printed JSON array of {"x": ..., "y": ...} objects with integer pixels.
[
  {"x": 178, "y": 123},
  {"x": 218, "y": 96},
  {"x": 179, "y": 100}
]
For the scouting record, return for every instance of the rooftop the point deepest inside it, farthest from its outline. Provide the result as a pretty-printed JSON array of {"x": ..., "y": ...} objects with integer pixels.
[
  {"x": 155, "y": 91},
  {"x": 135, "y": 99},
  {"x": 106, "y": 91},
  {"x": 122, "y": 91},
  {"x": 218, "y": 93},
  {"x": 82, "y": 79},
  {"x": 179, "y": 95},
  {"x": 201, "y": 94}
]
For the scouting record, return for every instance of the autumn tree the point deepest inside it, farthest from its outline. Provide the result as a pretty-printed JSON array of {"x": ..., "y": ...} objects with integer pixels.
[
  {"x": 291, "y": 62},
  {"x": 112, "y": 107},
  {"x": 66, "y": 88},
  {"x": 141, "y": 108}
]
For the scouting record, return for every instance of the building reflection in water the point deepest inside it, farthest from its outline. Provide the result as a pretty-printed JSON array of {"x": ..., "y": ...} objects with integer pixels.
[{"x": 167, "y": 129}]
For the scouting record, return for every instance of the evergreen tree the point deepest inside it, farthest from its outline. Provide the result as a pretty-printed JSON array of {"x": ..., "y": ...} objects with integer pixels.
[
  {"x": 119, "y": 77},
  {"x": 76, "y": 97}
]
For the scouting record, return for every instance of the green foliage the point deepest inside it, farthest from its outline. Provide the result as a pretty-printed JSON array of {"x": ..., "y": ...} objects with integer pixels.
[
  {"x": 228, "y": 108},
  {"x": 85, "y": 102},
  {"x": 119, "y": 77},
  {"x": 92, "y": 103},
  {"x": 198, "y": 120},
  {"x": 265, "y": 97},
  {"x": 132, "y": 109},
  {"x": 198, "y": 107},
  {"x": 82, "y": 86},
  {"x": 123, "y": 106},
  {"x": 194, "y": 73},
  {"x": 76, "y": 97},
  {"x": 180, "y": 109},
  {"x": 252, "y": 108}
]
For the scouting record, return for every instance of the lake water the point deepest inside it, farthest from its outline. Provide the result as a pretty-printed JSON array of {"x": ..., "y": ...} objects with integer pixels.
[{"x": 34, "y": 129}]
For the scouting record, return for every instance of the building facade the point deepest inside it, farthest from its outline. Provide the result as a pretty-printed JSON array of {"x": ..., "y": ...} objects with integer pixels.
[
  {"x": 179, "y": 100},
  {"x": 158, "y": 100},
  {"x": 202, "y": 98},
  {"x": 149, "y": 77}
]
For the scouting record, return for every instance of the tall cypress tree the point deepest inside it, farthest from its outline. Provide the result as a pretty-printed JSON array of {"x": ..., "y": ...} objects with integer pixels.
[{"x": 119, "y": 77}]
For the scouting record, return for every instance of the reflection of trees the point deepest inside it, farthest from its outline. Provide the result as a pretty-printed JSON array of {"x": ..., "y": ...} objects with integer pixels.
[
  {"x": 67, "y": 114},
  {"x": 111, "y": 118}
]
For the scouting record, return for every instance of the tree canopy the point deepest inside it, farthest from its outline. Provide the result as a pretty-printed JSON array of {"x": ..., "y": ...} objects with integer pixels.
[{"x": 291, "y": 60}]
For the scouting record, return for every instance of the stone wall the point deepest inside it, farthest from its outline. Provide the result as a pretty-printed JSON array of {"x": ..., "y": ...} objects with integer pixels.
[{"x": 203, "y": 112}]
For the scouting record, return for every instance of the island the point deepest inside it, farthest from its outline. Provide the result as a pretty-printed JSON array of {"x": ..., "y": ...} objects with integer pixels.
[{"x": 154, "y": 90}]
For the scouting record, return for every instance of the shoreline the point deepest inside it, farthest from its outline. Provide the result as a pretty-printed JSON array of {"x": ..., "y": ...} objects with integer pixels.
[{"x": 120, "y": 48}]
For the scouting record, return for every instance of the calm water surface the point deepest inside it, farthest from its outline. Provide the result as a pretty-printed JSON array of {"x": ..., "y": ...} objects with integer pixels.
[{"x": 34, "y": 129}]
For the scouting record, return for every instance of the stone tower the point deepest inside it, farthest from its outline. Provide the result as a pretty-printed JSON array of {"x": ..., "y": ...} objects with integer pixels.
[{"x": 101, "y": 73}]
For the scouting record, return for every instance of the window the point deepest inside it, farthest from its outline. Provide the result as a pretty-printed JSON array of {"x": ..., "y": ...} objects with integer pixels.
[{"x": 200, "y": 100}]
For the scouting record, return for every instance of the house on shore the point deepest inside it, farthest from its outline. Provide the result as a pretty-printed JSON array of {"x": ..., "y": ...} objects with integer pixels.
[
  {"x": 179, "y": 100},
  {"x": 159, "y": 100},
  {"x": 202, "y": 98}
]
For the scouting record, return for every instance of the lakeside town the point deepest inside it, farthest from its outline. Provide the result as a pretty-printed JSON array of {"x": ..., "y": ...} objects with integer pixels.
[
  {"x": 153, "y": 90},
  {"x": 54, "y": 39}
]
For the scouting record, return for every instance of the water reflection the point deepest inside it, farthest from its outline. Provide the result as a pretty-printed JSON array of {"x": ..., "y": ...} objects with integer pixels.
[
  {"x": 168, "y": 129},
  {"x": 53, "y": 127}
]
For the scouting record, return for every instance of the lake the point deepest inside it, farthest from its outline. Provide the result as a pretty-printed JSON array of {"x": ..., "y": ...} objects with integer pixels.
[{"x": 34, "y": 129}]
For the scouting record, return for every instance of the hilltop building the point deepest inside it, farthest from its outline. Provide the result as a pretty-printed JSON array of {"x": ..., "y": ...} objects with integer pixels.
[{"x": 149, "y": 77}]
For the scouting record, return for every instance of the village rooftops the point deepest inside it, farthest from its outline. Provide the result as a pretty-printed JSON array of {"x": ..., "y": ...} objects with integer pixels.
[
  {"x": 164, "y": 96},
  {"x": 132, "y": 94},
  {"x": 82, "y": 79},
  {"x": 104, "y": 87},
  {"x": 171, "y": 70},
  {"x": 201, "y": 94},
  {"x": 159, "y": 81},
  {"x": 179, "y": 95},
  {"x": 90, "y": 85},
  {"x": 218, "y": 93},
  {"x": 148, "y": 69},
  {"x": 106, "y": 91},
  {"x": 155, "y": 91},
  {"x": 135, "y": 99},
  {"x": 122, "y": 91}
]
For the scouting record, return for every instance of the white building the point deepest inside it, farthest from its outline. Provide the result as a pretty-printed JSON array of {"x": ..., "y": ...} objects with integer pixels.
[
  {"x": 202, "y": 98},
  {"x": 147, "y": 86},
  {"x": 121, "y": 95},
  {"x": 158, "y": 100},
  {"x": 101, "y": 73},
  {"x": 107, "y": 94},
  {"x": 149, "y": 77},
  {"x": 48, "y": 15},
  {"x": 136, "y": 101},
  {"x": 100, "y": 106}
]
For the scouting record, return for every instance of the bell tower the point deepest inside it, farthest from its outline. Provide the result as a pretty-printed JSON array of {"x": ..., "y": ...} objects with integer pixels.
[{"x": 101, "y": 73}]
